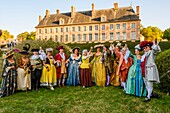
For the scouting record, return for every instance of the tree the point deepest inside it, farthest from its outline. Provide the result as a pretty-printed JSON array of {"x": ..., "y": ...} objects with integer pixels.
[
  {"x": 26, "y": 36},
  {"x": 166, "y": 34},
  {"x": 5, "y": 35},
  {"x": 0, "y": 33},
  {"x": 150, "y": 33}
]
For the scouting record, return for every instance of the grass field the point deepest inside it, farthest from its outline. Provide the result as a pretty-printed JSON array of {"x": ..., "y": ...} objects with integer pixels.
[{"x": 76, "y": 99}]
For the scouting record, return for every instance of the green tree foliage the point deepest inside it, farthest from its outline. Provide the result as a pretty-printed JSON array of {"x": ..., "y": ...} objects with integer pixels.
[
  {"x": 150, "y": 33},
  {"x": 26, "y": 36},
  {"x": 5, "y": 35},
  {"x": 166, "y": 34}
]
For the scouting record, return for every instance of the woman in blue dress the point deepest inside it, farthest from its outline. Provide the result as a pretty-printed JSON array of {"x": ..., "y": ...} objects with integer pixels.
[
  {"x": 73, "y": 67},
  {"x": 135, "y": 84}
]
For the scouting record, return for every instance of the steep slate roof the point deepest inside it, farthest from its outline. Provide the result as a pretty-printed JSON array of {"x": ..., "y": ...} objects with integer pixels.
[{"x": 82, "y": 17}]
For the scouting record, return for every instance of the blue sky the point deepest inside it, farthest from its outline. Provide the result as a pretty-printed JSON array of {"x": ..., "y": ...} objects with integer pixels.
[{"x": 18, "y": 16}]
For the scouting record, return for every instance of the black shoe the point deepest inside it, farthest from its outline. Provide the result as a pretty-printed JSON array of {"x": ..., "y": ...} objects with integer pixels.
[
  {"x": 155, "y": 96},
  {"x": 146, "y": 100}
]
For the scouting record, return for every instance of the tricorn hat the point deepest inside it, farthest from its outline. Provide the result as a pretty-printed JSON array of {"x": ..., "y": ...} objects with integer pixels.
[
  {"x": 60, "y": 47},
  {"x": 26, "y": 48},
  {"x": 145, "y": 43},
  {"x": 35, "y": 50}
]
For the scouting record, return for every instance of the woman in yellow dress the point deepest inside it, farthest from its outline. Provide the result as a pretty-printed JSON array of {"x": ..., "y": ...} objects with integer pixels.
[
  {"x": 98, "y": 68},
  {"x": 49, "y": 77}
]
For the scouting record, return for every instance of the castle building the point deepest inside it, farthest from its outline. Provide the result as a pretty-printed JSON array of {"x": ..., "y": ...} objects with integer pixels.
[{"x": 114, "y": 24}]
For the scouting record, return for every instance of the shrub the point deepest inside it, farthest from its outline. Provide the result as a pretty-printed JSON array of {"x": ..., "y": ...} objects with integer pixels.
[{"x": 163, "y": 64}]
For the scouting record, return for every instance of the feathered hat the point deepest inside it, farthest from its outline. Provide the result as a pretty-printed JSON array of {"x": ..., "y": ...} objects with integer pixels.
[
  {"x": 145, "y": 43},
  {"x": 26, "y": 48},
  {"x": 138, "y": 47},
  {"x": 9, "y": 53},
  {"x": 49, "y": 50},
  {"x": 78, "y": 48}
]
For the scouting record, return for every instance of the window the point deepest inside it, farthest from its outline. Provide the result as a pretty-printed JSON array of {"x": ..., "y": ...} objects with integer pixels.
[
  {"x": 103, "y": 19},
  {"x": 133, "y": 35},
  {"x": 51, "y": 37},
  {"x": 61, "y": 22},
  {"x": 111, "y": 26},
  {"x": 56, "y": 30},
  {"x": 111, "y": 36},
  {"x": 79, "y": 28},
  {"x": 103, "y": 36},
  {"x": 51, "y": 30},
  {"x": 45, "y": 30},
  {"x": 61, "y": 30},
  {"x": 61, "y": 38},
  {"x": 117, "y": 26},
  {"x": 73, "y": 28},
  {"x": 96, "y": 36},
  {"x": 133, "y": 25},
  {"x": 124, "y": 35},
  {"x": 73, "y": 38},
  {"x": 84, "y": 37},
  {"x": 124, "y": 25},
  {"x": 90, "y": 37},
  {"x": 45, "y": 37},
  {"x": 117, "y": 35},
  {"x": 66, "y": 38},
  {"x": 84, "y": 28},
  {"x": 56, "y": 38},
  {"x": 103, "y": 27},
  {"x": 40, "y": 31},
  {"x": 79, "y": 38},
  {"x": 39, "y": 37},
  {"x": 66, "y": 29},
  {"x": 96, "y": 27},
  {"x": 90, "y": 28}
]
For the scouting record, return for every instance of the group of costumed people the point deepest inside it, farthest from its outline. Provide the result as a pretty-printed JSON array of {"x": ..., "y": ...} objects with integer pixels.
[{"x": 114, "y": 65}]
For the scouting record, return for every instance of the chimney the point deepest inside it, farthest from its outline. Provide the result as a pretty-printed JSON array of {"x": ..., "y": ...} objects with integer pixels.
[
  {"x": 115, "y": 6},
  {"x": 72, "y": 11},
  {"x": 47, "y": 13},
  {"x": 138, "y": 10},
  {"x": 40, "y": 18},
  {"x": 57, "y": 11},
  {"x": 93, "y": 10}
]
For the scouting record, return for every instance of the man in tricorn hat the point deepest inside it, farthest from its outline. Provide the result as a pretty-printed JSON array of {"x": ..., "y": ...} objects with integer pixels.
[
  {"x": 37, "y": 65},
  {"x": 61, "y": 66},
  {"x": 151, "y": 71}
]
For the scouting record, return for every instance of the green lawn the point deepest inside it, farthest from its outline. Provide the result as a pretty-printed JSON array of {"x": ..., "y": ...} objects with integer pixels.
[{"x": 76, "y": 99}]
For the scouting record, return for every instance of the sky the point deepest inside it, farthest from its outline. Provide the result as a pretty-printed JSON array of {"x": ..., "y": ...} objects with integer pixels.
[{"x": 18, "y": 16}]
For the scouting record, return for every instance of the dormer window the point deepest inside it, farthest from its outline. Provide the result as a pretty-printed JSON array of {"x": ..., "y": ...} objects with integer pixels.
[
  {"x": 61, "y": 21},
  {"x": 103, "y": 18}
]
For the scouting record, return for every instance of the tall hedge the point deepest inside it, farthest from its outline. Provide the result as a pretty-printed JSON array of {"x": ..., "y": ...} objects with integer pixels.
[{"x": 163, "y": 64}]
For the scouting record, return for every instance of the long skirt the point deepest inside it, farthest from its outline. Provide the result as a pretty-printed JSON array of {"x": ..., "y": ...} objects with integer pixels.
[
  {"x": 73, "y": 74},
  {"x": 85, "y": 77},
  {"x": 49, "y": 77},
  {"x": 8, "y": 84},
  {"x": 115, "y": 79},
  {"x": 23, "y": 80}
]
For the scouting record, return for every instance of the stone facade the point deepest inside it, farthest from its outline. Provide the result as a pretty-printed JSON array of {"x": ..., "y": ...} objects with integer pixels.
[{"x": 115, "y": 24}]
